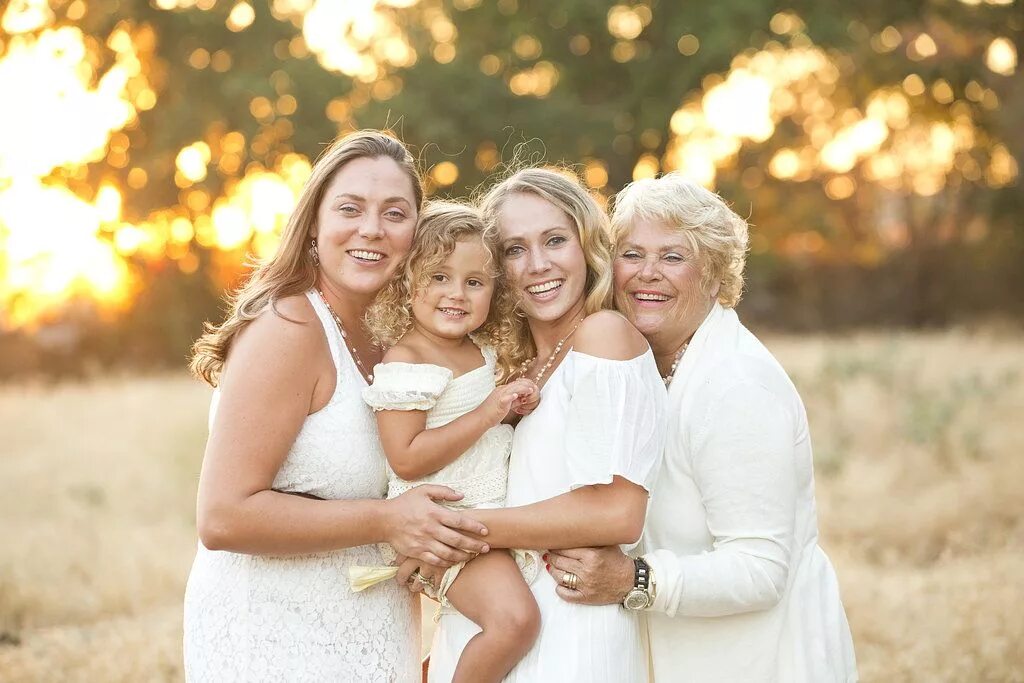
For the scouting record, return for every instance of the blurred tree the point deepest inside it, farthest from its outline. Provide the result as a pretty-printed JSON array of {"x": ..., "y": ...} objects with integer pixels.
[{"x": 874, "y": 145}]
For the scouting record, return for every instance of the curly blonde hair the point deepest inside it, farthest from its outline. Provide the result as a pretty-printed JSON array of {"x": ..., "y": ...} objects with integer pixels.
[
  {"x": 563, "y": 189},
  {"x": 716, "y": 234},
  {"x": 441, "y": 226},
  {"x": 291, "y": 269}
]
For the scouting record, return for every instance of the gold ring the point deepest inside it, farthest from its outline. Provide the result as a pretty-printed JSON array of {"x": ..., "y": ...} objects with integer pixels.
[
  {"x": 422, "y": 579},
  {"x": 570, "y": 581}
]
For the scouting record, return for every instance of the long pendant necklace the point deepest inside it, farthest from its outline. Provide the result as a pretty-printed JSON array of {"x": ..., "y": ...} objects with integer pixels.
[
  {"x": 675, "y": 363},
  {"x": 551, "y": 359},
  {"x": 344, "y": 335}
]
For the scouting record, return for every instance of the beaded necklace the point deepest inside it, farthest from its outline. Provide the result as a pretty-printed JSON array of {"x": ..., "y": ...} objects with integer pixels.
[
  {"x": 551, "y": 359},
  {"x": 344, "y": 335},
  {"x": 675, "y": 363}
]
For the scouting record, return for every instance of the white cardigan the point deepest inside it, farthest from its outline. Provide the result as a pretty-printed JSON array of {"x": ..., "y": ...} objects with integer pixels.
[{"x": 744, "y": 593}]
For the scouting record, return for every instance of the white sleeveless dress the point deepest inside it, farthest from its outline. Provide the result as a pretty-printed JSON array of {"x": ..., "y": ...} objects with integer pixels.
[
  {"x": 597, "y": 419},
  {"x": 294, "y": 618}
]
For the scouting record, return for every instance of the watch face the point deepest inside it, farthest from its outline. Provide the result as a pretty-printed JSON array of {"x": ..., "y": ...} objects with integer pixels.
[{"x": 637, "y": 599}]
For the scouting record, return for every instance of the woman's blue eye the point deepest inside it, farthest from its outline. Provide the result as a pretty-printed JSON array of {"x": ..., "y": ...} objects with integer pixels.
[
  {"x": 395, "y": 215},
  {"x": 673, "y": 258},
  {"x": 348, "y": 208},
  {"x": 556, "y": 240},
  {"x": 631, "y": 255},
  {"x": 513, "y": 251}
]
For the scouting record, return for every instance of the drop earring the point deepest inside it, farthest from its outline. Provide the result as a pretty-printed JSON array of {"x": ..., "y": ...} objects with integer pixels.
[{"x": 313, "y": 253}]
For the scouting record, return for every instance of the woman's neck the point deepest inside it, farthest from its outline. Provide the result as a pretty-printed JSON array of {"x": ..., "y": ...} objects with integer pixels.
[
  {"x": 547, "y": 333},
  {"x": 667, "y": 342},
  {"x": 349, "y": 307},
  {"x": 665, "y": 348}
]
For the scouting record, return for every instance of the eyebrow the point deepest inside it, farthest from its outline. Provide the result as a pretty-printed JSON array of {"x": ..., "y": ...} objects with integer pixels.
[
  {"x": 553, "y": 228},
  {"x": 360, "y": 198},
  {"x": 670, "y": 246}
]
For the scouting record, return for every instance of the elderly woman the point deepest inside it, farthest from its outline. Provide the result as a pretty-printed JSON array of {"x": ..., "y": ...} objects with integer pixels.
[{"x": 733, "y": 581}]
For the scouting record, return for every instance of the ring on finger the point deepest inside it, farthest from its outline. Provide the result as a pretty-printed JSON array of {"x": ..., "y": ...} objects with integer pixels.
[
  {"x": 570, "y": 581},
  {"x": 423, "y": 579}
]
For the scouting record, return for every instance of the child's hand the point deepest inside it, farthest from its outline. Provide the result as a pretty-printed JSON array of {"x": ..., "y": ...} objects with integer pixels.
[
  {"x": 502, "y": 398},
  {"x": 526, "y": 404}
]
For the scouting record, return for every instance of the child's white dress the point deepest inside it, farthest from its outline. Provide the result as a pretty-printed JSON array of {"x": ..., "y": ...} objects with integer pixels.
[{"x": 481, "y": 473}]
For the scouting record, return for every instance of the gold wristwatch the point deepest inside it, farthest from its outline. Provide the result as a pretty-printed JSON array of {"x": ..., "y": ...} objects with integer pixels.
[{"x": 641, "y": 596}]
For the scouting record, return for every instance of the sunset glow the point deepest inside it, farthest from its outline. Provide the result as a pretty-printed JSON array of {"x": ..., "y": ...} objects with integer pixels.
[{"x": 72, "y": 230}]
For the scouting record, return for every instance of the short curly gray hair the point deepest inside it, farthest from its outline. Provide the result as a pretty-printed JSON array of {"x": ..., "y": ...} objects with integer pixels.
[{"x": 716, "y": 234}]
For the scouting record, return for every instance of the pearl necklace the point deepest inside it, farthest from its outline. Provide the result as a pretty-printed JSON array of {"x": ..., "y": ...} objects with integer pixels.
[
  {"x": 675, "y": 363},
  {"x": 344, "y": 335},
  {"x": 551, "y": 359}
]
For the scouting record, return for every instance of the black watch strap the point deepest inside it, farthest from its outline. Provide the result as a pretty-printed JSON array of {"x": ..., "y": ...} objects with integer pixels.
[{"x": 641, "y": 574}]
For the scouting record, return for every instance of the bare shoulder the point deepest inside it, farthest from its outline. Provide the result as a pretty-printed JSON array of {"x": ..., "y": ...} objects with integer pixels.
[
  {"x": 607, "y": 334},
  {"x": 403, "y": 353},
  {"x": 282, "y": 339}
]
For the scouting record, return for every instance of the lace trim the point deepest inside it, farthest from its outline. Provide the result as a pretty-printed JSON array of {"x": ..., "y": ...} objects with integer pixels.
[
  {"x": 398, "y": 399},
  {"x": 477, "y": 490}
]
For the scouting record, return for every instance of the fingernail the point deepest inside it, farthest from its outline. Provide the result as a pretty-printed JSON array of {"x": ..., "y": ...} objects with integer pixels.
[
  {"x": 544, "y": 557},
  {"x": 547, "y": 566},
  {"x": 486, "y": 549}
]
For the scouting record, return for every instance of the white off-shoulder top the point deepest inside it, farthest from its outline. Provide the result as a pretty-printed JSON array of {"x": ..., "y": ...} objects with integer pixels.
[
  {"x": 479, "y": 473},
  {"x": 597, "y": 419}
]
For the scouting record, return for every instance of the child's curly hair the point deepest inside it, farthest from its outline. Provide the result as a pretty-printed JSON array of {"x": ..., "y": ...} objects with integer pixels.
[{"x": 441, "y": 225}]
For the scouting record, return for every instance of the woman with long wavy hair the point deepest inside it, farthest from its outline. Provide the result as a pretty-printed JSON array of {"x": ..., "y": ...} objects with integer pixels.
[
  {"x": 583, "y": 462},
  {"x": 293, "y": 479}
]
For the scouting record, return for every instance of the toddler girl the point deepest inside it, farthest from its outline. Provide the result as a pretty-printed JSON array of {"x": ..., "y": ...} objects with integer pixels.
[{"x": 440, "y": 415}]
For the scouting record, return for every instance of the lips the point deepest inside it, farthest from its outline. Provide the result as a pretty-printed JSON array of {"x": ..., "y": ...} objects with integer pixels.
[{"x": 366, "y": 255}]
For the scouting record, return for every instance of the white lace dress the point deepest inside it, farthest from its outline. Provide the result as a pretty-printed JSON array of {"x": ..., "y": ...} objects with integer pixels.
[
  {"x": 264, "y": 618},
  {"x": 481, "y": 473},
  {"x": 597, "y": 419}
]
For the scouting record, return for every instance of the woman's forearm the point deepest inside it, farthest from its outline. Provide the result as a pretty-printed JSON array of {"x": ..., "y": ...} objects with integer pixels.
[
  {"x": 599, "y": 515},
  {"x": 273, "y": 523}
]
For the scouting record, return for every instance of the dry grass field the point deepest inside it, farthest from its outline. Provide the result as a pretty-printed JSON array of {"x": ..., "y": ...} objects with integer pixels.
[{"x": 920, "y": 479}]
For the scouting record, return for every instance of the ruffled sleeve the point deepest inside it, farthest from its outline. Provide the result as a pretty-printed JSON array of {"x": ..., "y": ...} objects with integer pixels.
[
  {"x": 406, "y": 386},
  {"x": 616, "y": 424}
]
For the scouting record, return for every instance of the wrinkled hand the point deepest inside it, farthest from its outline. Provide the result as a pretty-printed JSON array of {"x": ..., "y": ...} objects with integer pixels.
[
  {"x": 418, "y": 527},
  {"x": 408, "y": 567},
  {"x": 605, "y": 574},
  {"x": 501, "y": 400}
]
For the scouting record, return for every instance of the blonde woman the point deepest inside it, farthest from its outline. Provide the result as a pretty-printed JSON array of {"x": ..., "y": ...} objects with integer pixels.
[
  {"x": 584, "y": 461},
  {"x": 735, "y": 586},
  {"x": 293, "y": 479}
]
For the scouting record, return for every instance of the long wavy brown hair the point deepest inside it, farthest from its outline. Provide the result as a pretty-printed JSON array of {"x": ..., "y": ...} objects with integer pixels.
[
  {"x": 291, "y": 269},
  {"x": 442, "y": 224},
  {"x": 563, "y": 189}
]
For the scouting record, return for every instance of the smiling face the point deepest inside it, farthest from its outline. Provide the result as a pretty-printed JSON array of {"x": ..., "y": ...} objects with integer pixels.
[
  {"x": 658, "y": 284},
  {"x": 544, "y": 259},
  {"x": 457, "y": 297},
  {"x": 364, "y": 225}
]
